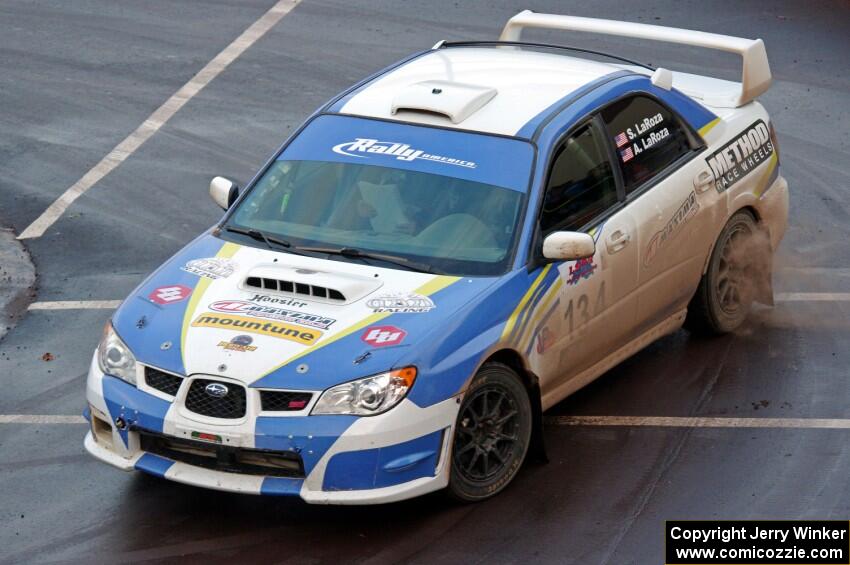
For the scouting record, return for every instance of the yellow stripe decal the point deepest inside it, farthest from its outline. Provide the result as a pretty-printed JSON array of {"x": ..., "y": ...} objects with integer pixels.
[
  {"x": 509, "y": 326},
  {"x": 552, "y": 293},
  {"x": 708, "y": 127},
  {"x": 434, "y": 285},
  {"x": 763, "y": 182},
  {"x": 227, "y": 251}
]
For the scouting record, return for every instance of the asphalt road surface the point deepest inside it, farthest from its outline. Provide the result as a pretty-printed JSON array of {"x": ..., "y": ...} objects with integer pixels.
[{"x": 77, "y": 77}]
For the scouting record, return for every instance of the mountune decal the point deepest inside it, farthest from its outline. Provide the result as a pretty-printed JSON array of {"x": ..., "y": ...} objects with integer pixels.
[
  {"x": 401, "y": 151},
  {"x": 272, "y": 312},
  {"x": 401, "y": 303},
  {"x": 210, "y": 267},
  {"x": 271, "y": 329},
  {"x": 736, "y": 159},
  {"x": 686, "y": 211}
]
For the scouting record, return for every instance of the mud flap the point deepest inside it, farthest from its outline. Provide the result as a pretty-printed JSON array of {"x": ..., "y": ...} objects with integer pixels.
[
  {"x": 763, "y": 270},
  {"x": 537, "y": 448}
]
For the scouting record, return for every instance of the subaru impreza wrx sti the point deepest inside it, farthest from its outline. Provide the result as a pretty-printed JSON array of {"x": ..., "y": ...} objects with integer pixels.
[{"x": 438, "y": 255}]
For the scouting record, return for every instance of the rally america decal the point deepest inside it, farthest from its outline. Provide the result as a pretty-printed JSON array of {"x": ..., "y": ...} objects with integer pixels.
[
  {"x": 685, "y": 212},
  {"x": 400, "y": 151},
  {"x": 211, "y": 267},
  {"x": 736, "y": 159},
  {"x": 272, "y": 312}
]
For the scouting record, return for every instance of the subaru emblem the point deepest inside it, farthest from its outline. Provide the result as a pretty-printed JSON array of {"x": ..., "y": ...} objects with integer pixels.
[{"x": 217, "y": 390}]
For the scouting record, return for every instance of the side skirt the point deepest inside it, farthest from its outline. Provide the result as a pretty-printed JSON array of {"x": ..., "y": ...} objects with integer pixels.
[{"x": 667, "y": 326}]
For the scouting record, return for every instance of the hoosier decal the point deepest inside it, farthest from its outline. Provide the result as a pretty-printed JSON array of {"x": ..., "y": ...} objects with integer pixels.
[
  {"x": 685, "y": 212},
  {"x": 272, "y": 329},
  {"x": 736, "y": 159}
]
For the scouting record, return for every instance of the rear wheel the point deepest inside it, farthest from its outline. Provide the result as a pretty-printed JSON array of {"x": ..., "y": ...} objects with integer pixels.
[
  {"x": 726, "y": 291},
  {"x": 492, "y": 434}
]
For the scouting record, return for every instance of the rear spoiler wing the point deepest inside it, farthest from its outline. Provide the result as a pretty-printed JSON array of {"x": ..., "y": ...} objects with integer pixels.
[{"x": 755, "y": 77}]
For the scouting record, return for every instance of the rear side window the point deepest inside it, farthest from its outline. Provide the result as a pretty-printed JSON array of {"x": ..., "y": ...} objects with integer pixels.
[
  {"x": 648, "y": 137},
  {"x": 581, "y": 183}
]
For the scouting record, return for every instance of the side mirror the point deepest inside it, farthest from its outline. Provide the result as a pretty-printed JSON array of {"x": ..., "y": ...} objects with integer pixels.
[
  {"x": 224, "y": 192},
  {"x": 568, "y": 246}
]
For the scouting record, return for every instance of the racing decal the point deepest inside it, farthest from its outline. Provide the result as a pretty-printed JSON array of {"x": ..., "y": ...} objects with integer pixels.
[
  {"x": 545, "y": 339},
  {"x": 282, "y": 300},
  {"x": 686, "y": 211},
  {"x": 641, "y": 137},
  {"x": 401, "y": 303},
  {"x": 539, "y": 317},
  {"x": 239, "y": 343},
  {"x": 204, "y": 436},
  {"x": 210, "y": 267},
  {"x": 273, "y": 313},
  {"x": 436, "y": 284},
  {"x": 582, "y": 269},
  {"x": 740, "y": 156},
  {"x": 227, "y": 251},
  {"x": 400, "y": 151},
  {"x": 271, "y": 329},
  {"x": 380, "y": 336},
  {"x": 520, "y": 310},
  {"x": 169, "y": 294}
]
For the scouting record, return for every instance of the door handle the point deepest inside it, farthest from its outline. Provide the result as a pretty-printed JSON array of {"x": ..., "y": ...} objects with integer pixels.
[
  {"x": 703, "y": 180},
  {"x": 617, "y": 241}
]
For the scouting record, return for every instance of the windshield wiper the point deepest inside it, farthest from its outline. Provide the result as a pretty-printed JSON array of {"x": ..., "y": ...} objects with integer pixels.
[
  {"x": 267, "y": 239},
  {"x": 360, "y": 254}
]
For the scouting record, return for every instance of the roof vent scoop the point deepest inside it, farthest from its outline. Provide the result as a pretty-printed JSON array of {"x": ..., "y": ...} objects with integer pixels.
[{"x": 455, "y": 100}]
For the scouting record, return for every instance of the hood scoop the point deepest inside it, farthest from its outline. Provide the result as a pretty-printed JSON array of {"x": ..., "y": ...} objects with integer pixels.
[
  {"x": 317, "y": 286},
  {"x": 455, "y": 100}
]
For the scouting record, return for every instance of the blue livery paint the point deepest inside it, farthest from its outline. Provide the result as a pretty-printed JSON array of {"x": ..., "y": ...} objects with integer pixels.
[
  {"x": 498, "y": 161},
  {"x": 87, "y": 414},
  {"x": 385, "y": 466},
  {"x": 312, "y": 436},
  {"x": 154, "y": 464},
  {"x": 134, "y": 406},
  {"x": 281, "y": 486},
  {"x": 162, "y": 322}
]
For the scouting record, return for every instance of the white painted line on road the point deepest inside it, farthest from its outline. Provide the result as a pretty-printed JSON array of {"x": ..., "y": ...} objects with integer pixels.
[
  {"x": 159, "y": 117},
  {"x": 699, "y": 422},
  {"x": 112, "y": 304},
  {"x": 76, "y": 305},
  {"x": 812, "y": 297},
  {"x": 585, "y": 421},
  {"x": 43, "y": 419}
]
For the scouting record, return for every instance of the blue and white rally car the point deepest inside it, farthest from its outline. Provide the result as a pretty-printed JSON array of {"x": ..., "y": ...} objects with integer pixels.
[{"x": 438, "y": 255}]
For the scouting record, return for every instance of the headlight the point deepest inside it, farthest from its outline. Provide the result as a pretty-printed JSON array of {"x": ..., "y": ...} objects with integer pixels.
[
  {"x": 114, "y": 357},
  {"x": 369, "y": 396}
]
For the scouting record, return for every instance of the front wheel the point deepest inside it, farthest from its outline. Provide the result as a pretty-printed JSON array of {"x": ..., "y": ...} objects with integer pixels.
[
  {"x": 492, "y": 434},
  {"x": 728, "y": 287}
]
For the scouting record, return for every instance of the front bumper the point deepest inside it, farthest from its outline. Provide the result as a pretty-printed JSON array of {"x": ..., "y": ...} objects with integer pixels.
[{"x": 400, "y": 454}]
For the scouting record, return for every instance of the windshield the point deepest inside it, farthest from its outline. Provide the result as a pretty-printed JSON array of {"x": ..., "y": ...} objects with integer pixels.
[{"x": 454, "y": 223}]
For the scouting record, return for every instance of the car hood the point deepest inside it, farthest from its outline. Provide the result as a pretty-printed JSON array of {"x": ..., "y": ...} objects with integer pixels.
[{"x": 280, "y": 320}]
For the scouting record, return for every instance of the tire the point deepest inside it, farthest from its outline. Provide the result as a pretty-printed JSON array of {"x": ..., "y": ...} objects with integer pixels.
[
  {"x": 727, "y": 289},
  {"x": 492, "y": 434}
]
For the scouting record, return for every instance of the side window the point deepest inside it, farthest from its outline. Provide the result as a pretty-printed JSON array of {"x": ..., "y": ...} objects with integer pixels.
[
  {"x": 581, "y": 183},
  {"x": 647, "y": 135}
]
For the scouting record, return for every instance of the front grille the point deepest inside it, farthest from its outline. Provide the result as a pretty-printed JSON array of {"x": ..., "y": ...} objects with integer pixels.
[
  {"x": 290, "y": 287},
  {"x": 284, "y": 400},
  {"x": 230, "y": 405},
  {"x": 223, "y": 457},
  {"x": 163, "y": 382}
]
